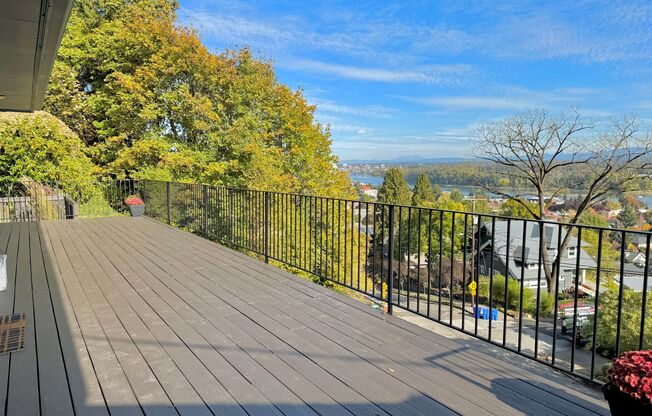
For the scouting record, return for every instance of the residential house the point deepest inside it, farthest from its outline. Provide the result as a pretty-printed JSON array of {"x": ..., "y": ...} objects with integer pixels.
[
  {"x": 634, "y": 276},
  {"x": 640, "y": 240},
  {"x": 518, "y": 258}
]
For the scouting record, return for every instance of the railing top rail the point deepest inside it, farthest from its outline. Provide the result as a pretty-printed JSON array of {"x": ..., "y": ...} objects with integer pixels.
[{"x": 427, "y": 209}]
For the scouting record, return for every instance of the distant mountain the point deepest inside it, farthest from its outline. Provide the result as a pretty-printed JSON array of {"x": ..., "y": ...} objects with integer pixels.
[{"x": 407, "y": 160}]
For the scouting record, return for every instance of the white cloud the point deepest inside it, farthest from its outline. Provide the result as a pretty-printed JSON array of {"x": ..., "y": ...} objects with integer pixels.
[
  {"x": 431, "y": 74},
  {"x": 370, "y": 111}
]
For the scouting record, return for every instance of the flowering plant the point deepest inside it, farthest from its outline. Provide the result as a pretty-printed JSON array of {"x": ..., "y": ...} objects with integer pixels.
[
  {"x": 134, "y": 200},
  {"x": 632, "y": 374}
]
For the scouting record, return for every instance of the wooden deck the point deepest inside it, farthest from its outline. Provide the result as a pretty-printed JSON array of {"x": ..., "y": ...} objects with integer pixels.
[{"x": 129, "y": 316}]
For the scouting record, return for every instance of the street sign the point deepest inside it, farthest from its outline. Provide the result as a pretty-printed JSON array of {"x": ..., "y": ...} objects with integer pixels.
[{"x": 472, "y": 287}]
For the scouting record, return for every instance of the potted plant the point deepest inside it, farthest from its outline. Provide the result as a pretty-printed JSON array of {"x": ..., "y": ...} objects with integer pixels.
[
  {"x": 136, "y": 206},
  {"x": 629, "y": 389}
]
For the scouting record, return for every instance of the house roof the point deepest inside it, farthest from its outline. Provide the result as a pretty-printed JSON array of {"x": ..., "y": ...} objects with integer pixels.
[
  {"x": 639, "y": 238},
  {"x": 530, "y": 246}
]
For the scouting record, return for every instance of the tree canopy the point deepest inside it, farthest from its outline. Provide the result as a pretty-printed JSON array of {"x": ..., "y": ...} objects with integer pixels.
[
  {"x": 423, "y": 195},
  {"x": 395, "y": 190},
  {"x": 149, "y": 100}
]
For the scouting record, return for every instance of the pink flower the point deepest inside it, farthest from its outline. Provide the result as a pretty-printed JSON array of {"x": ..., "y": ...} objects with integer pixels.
[{"x": 632, "y": 374}]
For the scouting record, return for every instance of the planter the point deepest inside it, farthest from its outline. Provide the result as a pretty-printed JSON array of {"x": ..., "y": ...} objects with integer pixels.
[
  {"x": 622, "y": 404},
  {"x": 137, "y": 210}
]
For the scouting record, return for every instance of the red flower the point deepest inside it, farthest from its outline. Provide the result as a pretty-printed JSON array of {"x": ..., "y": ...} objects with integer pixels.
[
  {"x": 632, "y": 374},
  {"x": 134, "y": 200}
]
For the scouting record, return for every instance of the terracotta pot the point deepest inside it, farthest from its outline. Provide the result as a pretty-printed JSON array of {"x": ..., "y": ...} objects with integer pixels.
[{"x": 622, "y": 404}]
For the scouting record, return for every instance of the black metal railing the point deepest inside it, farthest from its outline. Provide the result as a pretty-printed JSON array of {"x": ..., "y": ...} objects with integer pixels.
[
  {"x": 497, "y": 278},
  {"x": 567, "y": 295}
]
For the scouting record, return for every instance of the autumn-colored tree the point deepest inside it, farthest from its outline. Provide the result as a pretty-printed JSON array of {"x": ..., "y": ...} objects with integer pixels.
[{"x": 150, "y": 100}]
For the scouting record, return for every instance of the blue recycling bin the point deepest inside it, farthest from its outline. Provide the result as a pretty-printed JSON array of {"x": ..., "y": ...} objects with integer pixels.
[{"x": 483, "y": 313}]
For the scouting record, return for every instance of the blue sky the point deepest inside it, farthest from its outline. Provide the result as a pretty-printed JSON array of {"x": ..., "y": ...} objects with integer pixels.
[{"x": 418, "y": 77}]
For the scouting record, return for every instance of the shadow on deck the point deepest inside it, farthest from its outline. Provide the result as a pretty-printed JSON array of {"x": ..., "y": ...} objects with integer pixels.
[{"x": 130, "y": 316}]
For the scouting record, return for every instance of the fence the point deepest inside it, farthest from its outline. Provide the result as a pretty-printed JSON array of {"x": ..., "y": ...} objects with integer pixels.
[
  {"x": 27, "y": 200},
  {"x": 569, "y": 296}
]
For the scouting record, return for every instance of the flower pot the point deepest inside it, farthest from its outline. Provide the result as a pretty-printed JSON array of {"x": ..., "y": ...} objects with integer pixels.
[
  {"x": 622, "y": 404},
  {"x": 137, "y": 210}
]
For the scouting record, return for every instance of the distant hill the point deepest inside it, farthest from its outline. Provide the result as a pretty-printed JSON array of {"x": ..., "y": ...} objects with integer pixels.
[{"x": 408, "y": 160}]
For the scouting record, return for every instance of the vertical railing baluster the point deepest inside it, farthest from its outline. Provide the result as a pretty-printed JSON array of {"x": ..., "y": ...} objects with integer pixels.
[
  {"x": 540, "y": 223},
  {"x": 522, "y": 288},
  {"x": 596, "y": 310},
  {"x": 646, "y": 272},
  {"x": 623, "y": 237},
  {"x": 452, "y": 273},
  {"x": 578, "y": 254},
  {"x": 390, "y": 259},
  {"x": 464, "y": 249},
  {"x": 557, "y": 265},
  {"x": 506, "y": 301},
  {"x": 167, "y": 201}
]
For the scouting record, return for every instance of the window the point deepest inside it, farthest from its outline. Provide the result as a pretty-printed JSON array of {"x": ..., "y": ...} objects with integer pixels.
[{"x": 572, "y": 251}]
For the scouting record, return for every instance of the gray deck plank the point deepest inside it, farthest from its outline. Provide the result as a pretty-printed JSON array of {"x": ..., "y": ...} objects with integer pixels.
[
  {"x": 250, "y": 399},
  {"x": 272, "y": 362},
  {"x": 87, "y": 396},
  {"x": 10, "y": 236},
  {"x": 23, "y": 395},
  {"x": 151, "y": 397},
  {"x": 359, "y": 374},
  {"x": 239, "y": 379},
  {"x": 524, "y": 388},
  {"x": 183, "y": 395},
  {"x": 436, "y": 385},
  {"x": 53, "y": 381},
  {"x": 118, "y": 394}
]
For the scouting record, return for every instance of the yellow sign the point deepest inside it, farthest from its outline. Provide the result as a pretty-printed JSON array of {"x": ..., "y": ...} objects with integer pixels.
[{"x": 472, "y": 287}]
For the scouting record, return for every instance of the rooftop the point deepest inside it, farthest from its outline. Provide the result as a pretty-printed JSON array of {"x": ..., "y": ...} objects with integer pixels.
[{"x": 131, "y": 316}]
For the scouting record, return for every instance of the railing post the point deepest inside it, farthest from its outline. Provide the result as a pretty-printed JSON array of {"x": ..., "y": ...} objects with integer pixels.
[
  {"x": 205, "y": 222},
  {"x": 390, "y": 261},
  {"x": 167, "y": 199},
  {"x": 266, "y": 226}
]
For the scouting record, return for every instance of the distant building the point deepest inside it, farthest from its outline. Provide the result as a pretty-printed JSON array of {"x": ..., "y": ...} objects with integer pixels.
[
  {"x": 639, "y": 240},
  {"x": 516, "y": 264},
  {"x": 634, "y": 272},
  {"x": 369, "y": 191}
]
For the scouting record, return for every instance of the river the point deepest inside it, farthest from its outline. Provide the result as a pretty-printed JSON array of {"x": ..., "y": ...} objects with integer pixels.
[{"x": 376, "y": 181}]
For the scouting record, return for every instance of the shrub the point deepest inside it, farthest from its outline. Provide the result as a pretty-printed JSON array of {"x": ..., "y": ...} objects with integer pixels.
[
  {"x": 546, "y": 300},
  {"x": 632, "y": 374},
  {"x": 40, "y": 147}
]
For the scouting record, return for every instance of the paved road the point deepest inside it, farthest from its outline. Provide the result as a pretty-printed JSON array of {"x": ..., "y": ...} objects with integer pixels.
[{"x": 530, "y": 336}]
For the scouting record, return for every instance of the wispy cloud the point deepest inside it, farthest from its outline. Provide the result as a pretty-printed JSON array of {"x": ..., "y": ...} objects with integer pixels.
[
  {"x": 431, "y": 74},
  {"x": 513, "y": 98},
  {"x": 370, "y": 111}
]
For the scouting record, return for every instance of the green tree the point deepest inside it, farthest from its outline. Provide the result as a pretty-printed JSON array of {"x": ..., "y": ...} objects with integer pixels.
[
  {"x": 456, "y": 195},
  {"x": 436, "y": 191},
  {"x": 423, "y": 195},
  {"x": 511, "y": 208},
  {"x": 127, "y": 73},
  {"x": 628, "y": 217},
  {"x": 394, "y": 190}
]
